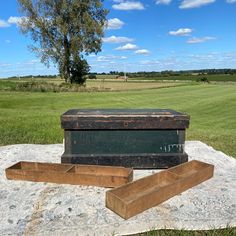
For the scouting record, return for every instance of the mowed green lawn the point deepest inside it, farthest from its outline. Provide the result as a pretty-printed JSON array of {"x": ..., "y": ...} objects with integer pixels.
[{"x": 27, "y": 117}]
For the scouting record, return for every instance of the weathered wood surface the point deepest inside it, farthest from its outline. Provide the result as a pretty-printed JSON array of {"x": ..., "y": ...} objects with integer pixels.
[
  {"x": 133, "y": 198},
  {"x": 136, "y": 161},
  {"x": 123, "y": 119},
  {"x": 104, "y": 176},
  {"x": 138, "y": 138}
]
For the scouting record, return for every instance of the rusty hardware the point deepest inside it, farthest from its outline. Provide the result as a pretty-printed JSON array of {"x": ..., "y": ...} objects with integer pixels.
[{"x": 126, "y": 124}]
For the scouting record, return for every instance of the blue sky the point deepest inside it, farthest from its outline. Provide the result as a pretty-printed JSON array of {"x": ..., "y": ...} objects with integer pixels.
[{"x": 151, "y": 35}]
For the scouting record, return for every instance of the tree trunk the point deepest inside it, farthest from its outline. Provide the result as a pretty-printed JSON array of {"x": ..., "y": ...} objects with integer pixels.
[{"x": 66, "y": 66}]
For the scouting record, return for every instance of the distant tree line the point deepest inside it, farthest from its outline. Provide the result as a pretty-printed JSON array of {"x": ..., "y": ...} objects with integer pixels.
[
  {"x": 147, "y": 74},
  {"x": 33, "y": 76},
  {"x": 89, "y": 76},
  {"x": 175, "y": 73}
]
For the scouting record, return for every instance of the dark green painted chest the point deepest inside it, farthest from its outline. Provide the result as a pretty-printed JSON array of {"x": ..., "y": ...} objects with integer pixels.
[{"x": 138, "y": 138}]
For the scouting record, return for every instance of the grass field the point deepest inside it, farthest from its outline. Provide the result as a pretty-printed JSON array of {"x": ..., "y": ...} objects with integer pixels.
[
  {"x": 213, "y": 77},
  {"x": 215, "y": 232},
  {"x": 217, "y": 78},
  {"x": 120, "y": 85},
  {"x": 91, "y": 85},
  {"x": 35, "y": 117}
]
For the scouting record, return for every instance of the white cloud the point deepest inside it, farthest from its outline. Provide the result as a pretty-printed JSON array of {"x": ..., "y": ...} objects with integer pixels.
[
  {"x": 3, "y": 24},
  {"x": 92, "y": 55},
  {"x": 109, "y": 58},
  {"x": 127, "y": 46},
  {"x": 181, "y": 32},
  {"x": 165, "y": 2},
  {"x": 115, "y": 39},
  {"x": 15, "y": 20},
  {"x": 5, "y": 64},
  {"x": 30, "y": 62},
  {"x": 202, "y": 57},
  {"x": 230, "y": 1},
  {"x": 194, "y": 3},
  {"x": 8, "y": 41},
  {"x": 128, "y": 5},
  {"x": 179, "y": 61},
  {"x": 200, "y": 40},
  {"x": 229, "y": 56},
  {"x": 114, "y": 23},
  {"x": 142, "y": 52},
  {"x": 102, "y": 59}
]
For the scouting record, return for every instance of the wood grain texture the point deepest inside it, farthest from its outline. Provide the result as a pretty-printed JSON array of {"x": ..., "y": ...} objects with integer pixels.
[
  {"x": 104, "y": 176},
  {"x": 133, "y": 198},
  {"x": 92, "y": 119}
]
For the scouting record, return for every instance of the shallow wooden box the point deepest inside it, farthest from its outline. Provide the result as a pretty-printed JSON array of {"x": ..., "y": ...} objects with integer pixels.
[
  {"x": 133, "y": 198},
  {"x": 104, "y": 176},
  {"x": 137, "y": 138}
]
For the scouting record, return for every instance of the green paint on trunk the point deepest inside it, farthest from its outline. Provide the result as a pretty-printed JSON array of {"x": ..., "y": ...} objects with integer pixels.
[{"x": 124, "y": 141}]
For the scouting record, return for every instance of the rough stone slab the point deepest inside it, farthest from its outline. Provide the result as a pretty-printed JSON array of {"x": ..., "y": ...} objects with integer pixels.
[{"x": 49, "y": 209}]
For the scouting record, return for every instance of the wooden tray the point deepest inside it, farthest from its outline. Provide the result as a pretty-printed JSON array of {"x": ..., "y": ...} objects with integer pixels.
[
  {"x": 133, "y": 198},
  {"x": 104, "y": 176}
]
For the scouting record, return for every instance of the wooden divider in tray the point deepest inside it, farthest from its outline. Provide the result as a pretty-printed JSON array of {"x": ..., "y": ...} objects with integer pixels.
[
  {"x": 133, "y": 198},
  {"x": 104, "y": 176}
]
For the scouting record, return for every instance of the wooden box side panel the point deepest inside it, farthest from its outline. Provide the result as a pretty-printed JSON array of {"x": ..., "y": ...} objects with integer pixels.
[
  {"x": 65, "y": 178},
  {"x": 194, "y": 179},
  {"x": 95, "y": 180},
  {"x": 139, "y": 186},
  {"x": 191, "y": 174},
  {"x": 150, "y": 200},
  {"x": 189, "y": 168},
  {"x": 28, "y": 175},
  {"x": 67, "y": 174},
  {"x": 101, "y": 170}
]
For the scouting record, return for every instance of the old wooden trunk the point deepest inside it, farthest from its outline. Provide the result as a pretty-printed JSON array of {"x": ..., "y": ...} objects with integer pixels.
[
  {"x": 130, "y": 199},
  {"x": 138, "y": 138},
  {"x": 104, "y": 176}
]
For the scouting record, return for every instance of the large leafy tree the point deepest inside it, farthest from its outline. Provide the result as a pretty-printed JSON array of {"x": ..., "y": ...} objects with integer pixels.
[{"x": 64, "y": 31}]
